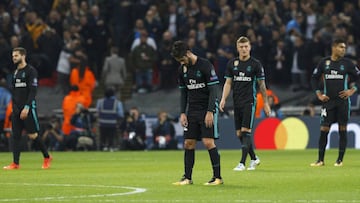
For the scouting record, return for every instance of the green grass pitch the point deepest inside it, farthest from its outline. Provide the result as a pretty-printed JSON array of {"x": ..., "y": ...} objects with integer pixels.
[{"x": 124, "y": 176}]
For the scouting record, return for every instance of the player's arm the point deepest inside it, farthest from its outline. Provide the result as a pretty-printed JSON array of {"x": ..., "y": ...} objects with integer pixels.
[
  {"x": 262, "y": 89},
  {"x": 213, "y": 96},
  {"x": 260, "y": 75},
  {"x": 354, "y": 73},
  {"x": 227, "y": 85},
  {"x": 212, "y": 82},
  {"x": 32, "y": 84},
  {"x": 225, "y": 93},
  {"x": 183, "y": 97},
  {"x": 183, "y": 105},
  {"x": 315, "y": 77}
]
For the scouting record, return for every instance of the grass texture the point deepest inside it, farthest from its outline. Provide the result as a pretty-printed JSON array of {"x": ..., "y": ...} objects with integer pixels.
[{"x": 147, "y": 176}]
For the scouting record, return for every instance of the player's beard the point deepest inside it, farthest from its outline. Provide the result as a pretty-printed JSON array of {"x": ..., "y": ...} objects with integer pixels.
[
  {"x": 189, "y": 61},
  {"x": 17, "y": 63}
]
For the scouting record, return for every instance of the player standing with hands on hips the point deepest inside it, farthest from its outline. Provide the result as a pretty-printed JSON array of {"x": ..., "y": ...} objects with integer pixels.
[
  {"x": 198, "y": 84},
  {"x": 24, "y": 116},
  {"x": 242, "y": 75},
  {"x": 339, "y": 77}
]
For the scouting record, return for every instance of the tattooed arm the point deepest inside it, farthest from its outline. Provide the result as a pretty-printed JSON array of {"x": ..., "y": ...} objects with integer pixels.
[{"x": 262, "y": 89}]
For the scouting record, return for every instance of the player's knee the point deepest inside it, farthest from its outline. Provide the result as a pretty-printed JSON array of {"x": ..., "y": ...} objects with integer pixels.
[
  {"x": 33, "y": 136},
  {"x": 189, "y": 144},
  {"x": 208, "y": 143},
  {"x": 325, "y": 128},
  {"x": 342, "y": 128}
]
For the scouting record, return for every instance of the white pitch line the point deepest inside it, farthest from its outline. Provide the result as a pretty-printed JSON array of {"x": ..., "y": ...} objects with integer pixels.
[{"x": 135, "y": 191}]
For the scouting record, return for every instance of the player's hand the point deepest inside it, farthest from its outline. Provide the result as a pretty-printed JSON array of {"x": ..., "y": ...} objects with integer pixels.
[
  {"x": 209, "y": 119},
  {"x": 346, "y": 93},
  {"x": 24, "y": 113},
  {"x": 183, "y": 120},
  {"x": 222, "y": 105},
  {"x": 323, "y": 97},
  {"x": 267, "y": 109}
]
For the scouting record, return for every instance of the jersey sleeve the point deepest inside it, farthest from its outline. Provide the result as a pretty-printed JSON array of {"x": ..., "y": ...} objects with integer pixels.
[
  {"x": 181, "y": 81},
  {"x": 228, "y": 70},
  {"x": 260, "y": 73},
  {"x": 354, "y": 71},
  {"x": 32, "y": 83},
  {"x": 210, "y": 74}
]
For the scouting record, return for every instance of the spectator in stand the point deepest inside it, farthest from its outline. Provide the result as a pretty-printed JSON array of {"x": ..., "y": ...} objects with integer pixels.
[
  {"x": 69, "y": 106},
  {"x": 114, "y": 71},
  {"x": 260, "y": 101},
  {"x": 64, "y": 64},
  {"x": 110, "y": 112},
  {"x": 143, "y": 58},
  {"x": 83, "y": 77},
  {"x": 171, "y": 21},
  {"x": 275, "y": 111},
  {"x": 152, "y": 24},
  {"x": 134, "y": 131},
  {"x": 8, "y": 126},
  {"x": 54, "y": 21},
  {"x": 224, "y": 53},
  {"x": 166, "y": 63},
  {"x": 164, "y": 133},
  {"x": 100, "y": 37},
  {"x": 300, "y": 65},
  {"x": 50, "y": 45},
  {"x": 35, "y": 26},
  {"x": 280, "y": 72},
  {"x": 5, "y": 99},
  {"x": 138, "y": 33}
]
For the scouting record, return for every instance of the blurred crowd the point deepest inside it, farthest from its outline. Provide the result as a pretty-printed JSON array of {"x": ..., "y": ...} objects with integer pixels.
[
  {"x": 84, "y": 43},
  {"x": 63, "y": 34}
]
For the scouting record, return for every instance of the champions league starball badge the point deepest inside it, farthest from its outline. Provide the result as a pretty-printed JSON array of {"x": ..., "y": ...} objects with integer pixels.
[
  {"x": 236, "y": 63},
  {"x": 184, "y": 69},
  {"x": 327, "y": 62}
]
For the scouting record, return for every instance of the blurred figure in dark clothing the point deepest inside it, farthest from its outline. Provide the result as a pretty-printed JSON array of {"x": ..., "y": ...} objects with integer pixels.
[
  {"x": 167, "y": 63},
  {"x": 50, "y": 44},
  {"x": 164, "y": 133},
  {"x": 134, "y": 131},
  {"x": 100, "y": 37}
]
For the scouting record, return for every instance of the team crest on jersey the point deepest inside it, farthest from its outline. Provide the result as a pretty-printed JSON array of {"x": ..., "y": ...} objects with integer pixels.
[
  {"x": 198, "y": 74},
  {"x": 23, "y": 75},
  {"x": 236, "y": 63},
  {"x": 327, "y": 62},
  {"x": 342, "y": 67},
  {"x": 184, "y": 69},
  {"x": 248, "y": 69}
]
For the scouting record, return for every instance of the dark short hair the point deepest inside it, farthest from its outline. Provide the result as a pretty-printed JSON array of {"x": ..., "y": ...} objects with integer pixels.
[
  {"x": 179, "y": 49},
  {"x": 337, "y": 41},
  {"x": 21, "y": 50},
  {"x": 109, "y": 92}
]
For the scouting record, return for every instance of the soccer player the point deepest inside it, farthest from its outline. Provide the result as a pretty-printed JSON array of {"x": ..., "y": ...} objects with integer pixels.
[
  {"x": 198, "y": 84},
  {"x": 339, "y": 76},
  {"x": 24, "y": 116},
  {"x": 242, "y": 74}
]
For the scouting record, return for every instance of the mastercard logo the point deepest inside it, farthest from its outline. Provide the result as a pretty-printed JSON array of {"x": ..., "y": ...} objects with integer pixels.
[{"x": 273, "y": 133}]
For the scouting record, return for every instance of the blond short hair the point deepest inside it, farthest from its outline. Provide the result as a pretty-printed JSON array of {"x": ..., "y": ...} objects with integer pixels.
[{"x": 242, "y": 39}]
